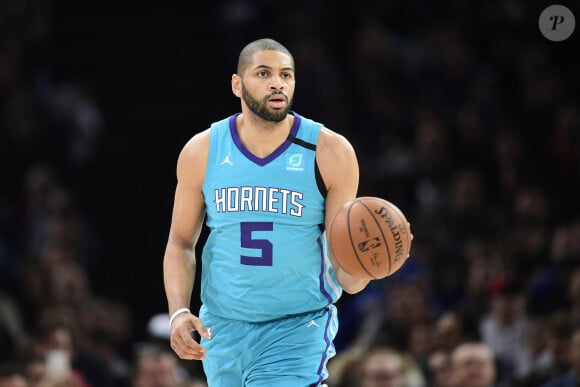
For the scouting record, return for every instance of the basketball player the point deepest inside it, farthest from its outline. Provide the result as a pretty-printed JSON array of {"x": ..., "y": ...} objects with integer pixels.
[{"x": 268, "y": 180}]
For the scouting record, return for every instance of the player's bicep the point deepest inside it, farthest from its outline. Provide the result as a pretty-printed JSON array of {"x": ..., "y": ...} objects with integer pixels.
[
  {"x": 339, "y": 169},
  {"x": 188, "y": 206},
  {"x": 187, "y": 216}
]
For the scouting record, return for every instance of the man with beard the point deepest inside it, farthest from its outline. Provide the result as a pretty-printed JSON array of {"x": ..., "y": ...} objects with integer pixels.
[{"x": 267, "y": 181}]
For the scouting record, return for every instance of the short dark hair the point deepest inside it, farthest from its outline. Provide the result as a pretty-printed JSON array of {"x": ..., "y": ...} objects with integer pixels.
[{"x": 265, "y": 44}]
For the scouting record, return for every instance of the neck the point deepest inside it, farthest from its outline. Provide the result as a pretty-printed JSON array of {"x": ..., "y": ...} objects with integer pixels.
[
  {"x": 250, "y": 121},
  {"x": 262, "y": 137}
]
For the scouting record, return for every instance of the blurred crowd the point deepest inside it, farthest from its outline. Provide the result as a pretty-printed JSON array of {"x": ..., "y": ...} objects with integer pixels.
[
  {"x": 462, "y": 114},
  {"x": 55, "y": 330}
]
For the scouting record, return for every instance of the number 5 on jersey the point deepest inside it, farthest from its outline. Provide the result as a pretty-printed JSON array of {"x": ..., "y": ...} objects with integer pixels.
[{"x": 264, "y": 245}]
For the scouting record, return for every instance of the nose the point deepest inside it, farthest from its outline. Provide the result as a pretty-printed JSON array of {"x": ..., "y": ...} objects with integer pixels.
[{"x": 277, "y": 83}]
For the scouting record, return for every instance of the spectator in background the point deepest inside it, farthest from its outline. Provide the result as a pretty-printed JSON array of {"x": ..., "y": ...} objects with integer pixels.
[
  {"x": 34, "y": 369},
  {"x": 538, "y": 358},
  {"x": 406, "y": 306},
  {"x": 158, "y": 367},
  {"x": 449, "y": 331},
  {"x": 57, "y": 335},
  {"x": 528, "y": 240},
  {"x": 386, "y": 367},
  {"x": 572, "y": 377},
  {"x": 505, "y": 327},
  {"x": 559, "y": 331},
  {"x": 486, "y": 262},
  {"x": 473, "y": 365},
  {"x": 105, "y": 327},
  {"x": 438, "y": 369},
  {"x": 11, "y": 375},
  {"x": 420, "y": 341}
]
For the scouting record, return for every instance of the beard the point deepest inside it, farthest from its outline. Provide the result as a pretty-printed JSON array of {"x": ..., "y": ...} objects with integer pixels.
[{"x": 261, "y": 108}]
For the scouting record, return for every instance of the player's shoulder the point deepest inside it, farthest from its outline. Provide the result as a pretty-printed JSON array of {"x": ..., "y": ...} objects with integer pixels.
[
  {"x": 196, "y": 147},
  {"x": 332, "y": 142},
  {"x": 335, "y": 157},
  {"x": 199, "y": 140}
]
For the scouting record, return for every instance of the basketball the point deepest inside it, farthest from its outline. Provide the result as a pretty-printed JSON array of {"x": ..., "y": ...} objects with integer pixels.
[{"x": 370, "y": 238}]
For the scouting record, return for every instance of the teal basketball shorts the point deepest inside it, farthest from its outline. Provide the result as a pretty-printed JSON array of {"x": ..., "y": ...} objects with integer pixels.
[{"x": 287, "y": 352}]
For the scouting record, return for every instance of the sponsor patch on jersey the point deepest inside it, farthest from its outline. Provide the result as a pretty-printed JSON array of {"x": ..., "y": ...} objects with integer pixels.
[{"x": 294, "y": 162}]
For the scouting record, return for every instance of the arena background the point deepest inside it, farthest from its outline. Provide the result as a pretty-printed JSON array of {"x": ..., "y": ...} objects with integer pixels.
[{"x": 461, "y": 113}]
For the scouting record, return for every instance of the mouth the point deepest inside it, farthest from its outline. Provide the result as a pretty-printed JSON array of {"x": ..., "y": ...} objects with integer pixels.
[{"x": 277, "y": 101}]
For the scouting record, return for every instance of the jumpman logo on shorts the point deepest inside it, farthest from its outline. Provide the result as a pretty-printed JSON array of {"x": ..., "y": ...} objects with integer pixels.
[{"x": 227, "y": 160}]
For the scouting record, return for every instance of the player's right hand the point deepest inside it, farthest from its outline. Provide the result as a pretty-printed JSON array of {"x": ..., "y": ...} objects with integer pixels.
[{"x": 182, "y": 341}]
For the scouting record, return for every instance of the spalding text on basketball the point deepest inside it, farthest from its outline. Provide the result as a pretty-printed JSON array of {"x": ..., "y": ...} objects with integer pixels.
[{"x": 386, "y": 216}]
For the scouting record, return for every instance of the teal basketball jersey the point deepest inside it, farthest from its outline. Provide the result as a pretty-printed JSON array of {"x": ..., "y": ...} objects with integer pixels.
[{"x": 265, "y": 256}]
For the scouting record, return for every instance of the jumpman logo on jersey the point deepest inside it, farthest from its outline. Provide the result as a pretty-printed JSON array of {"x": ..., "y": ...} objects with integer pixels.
[
  {"x": 312, "y": 323},
  {"x": 227, "y": 160}
]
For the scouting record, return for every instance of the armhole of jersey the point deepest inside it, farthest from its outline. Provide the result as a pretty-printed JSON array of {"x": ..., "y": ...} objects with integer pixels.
[
  {"x": 318, "y": 176},
  {"x": 319, "y": 179}
]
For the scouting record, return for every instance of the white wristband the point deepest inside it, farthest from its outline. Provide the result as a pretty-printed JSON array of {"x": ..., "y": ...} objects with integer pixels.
[{"x": 177, "y": 312}]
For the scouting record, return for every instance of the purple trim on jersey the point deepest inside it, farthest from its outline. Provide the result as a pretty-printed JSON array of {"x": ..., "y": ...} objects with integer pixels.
[
  {"x": 321, "y": 276},
  {"x": 324, "y": 359},
  {"x": 272, "y": 156},
  {"x": 329, "y": 312}
]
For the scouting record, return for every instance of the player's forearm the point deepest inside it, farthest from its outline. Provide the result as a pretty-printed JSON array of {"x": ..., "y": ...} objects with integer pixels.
[
  {"x": 349, "y": 283},
  {"x": 178, "y": 275}
]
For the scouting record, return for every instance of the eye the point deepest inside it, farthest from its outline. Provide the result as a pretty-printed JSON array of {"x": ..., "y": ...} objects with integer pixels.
[
  {"x": 287, "y": 76},
  {"x": 263, "y": 73}
]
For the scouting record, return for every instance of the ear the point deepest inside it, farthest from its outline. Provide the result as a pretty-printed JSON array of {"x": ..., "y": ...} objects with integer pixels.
[{"x": 237, "y": 85}]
